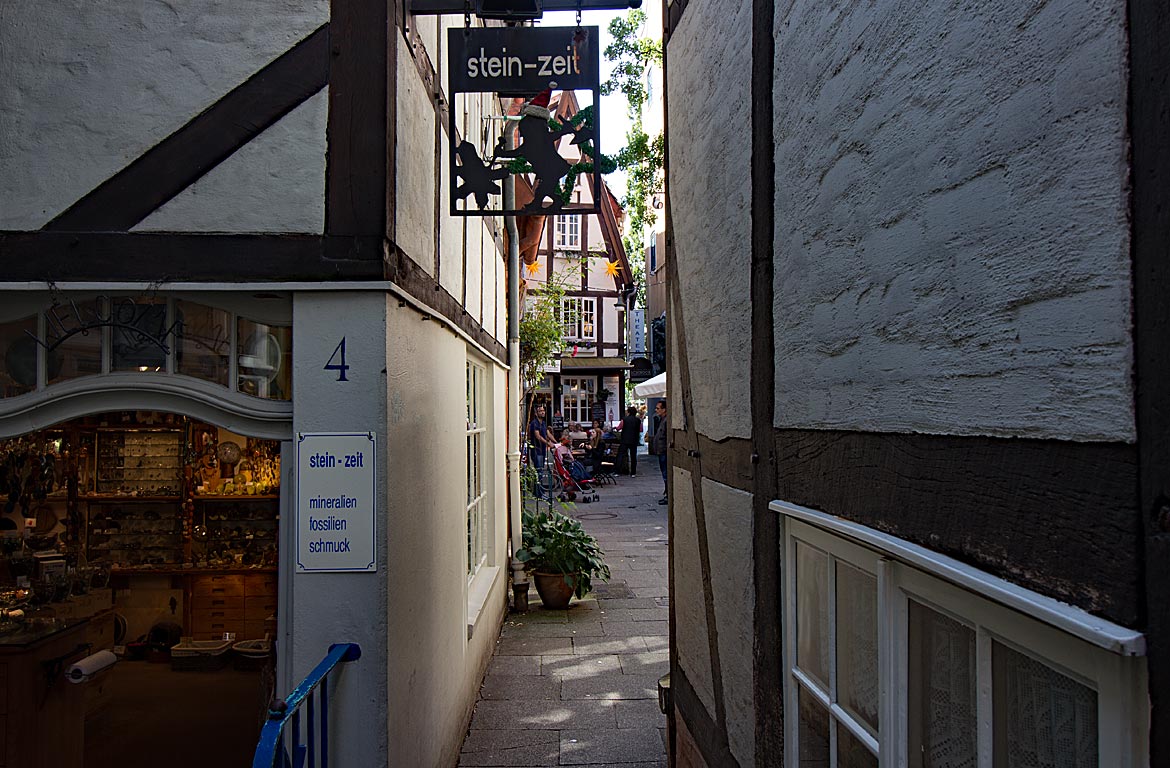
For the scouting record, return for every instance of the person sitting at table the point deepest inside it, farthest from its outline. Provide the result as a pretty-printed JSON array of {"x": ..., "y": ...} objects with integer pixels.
[{"x": 564, "y": 453}]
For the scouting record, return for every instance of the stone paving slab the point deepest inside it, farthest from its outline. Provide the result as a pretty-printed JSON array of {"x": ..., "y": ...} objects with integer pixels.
[
  {"x": 635, "y": 602},
  {"x": 591, "y": 646},
  {"x": 514, "y": 665},
  {"x": 576, "y": 667},
  {"x": 635, "y": 614},
  {"x": 650, "y": 663},
  {"x": 610, "y": 747},
  {"x": 632, "y": 628},
  {"x": 636, "y": 713},
  {"x": 521, "y": 645},
  {"x": 491, "y": 747},
  {"x": 590, "y": 628},
  {"x": 524, "y": 687},
  {"x": 611, "y": 688},
  {"x": 537, "y": 715}
]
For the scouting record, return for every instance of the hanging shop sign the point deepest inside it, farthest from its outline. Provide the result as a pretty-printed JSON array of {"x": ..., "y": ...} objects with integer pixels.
[
  {"x": 641, "y": 369},
  {"x": 537, "y": 65},
  {"x": 336, "y": 502}
]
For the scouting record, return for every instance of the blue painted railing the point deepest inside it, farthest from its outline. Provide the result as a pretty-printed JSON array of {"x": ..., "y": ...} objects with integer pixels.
[{"x": 283, "y": 711}]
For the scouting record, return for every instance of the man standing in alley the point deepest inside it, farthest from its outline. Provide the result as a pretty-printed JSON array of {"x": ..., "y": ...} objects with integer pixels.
[
  {"x": 631, "y": 438},
  {"x": 538, "y": 443},
  {"x": 658, "y": 442}
]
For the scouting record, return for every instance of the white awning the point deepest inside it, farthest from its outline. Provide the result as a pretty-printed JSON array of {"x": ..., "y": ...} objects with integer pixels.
[{"x": 655, "y": 387}]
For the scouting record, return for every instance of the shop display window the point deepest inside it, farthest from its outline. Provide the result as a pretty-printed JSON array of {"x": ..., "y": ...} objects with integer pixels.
[
  {"x": 265, "y": 359},
  {"x": 204, "y": 337},
  {"x": 75, "y": 353},
  {"x": 82, "y": 336},
  {"x": 138, "y": 340},
  {"x": 18, "y": 374}
]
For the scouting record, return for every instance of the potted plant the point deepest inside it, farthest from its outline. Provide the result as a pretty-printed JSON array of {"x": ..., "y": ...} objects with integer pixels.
[{"x": 562, "y": 557}]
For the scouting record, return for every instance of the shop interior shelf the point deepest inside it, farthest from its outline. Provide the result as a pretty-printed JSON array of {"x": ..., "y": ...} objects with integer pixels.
[{"x": 239, "y": 497}]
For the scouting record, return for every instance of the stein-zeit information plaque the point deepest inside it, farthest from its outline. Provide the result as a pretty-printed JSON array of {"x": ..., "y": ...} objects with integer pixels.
[
  {"x": 530, "y": 68},
  {"x": 336, "y": 502}
]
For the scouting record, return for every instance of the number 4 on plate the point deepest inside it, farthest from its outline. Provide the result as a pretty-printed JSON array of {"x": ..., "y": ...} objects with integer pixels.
[{"x": 340, "y": 367}]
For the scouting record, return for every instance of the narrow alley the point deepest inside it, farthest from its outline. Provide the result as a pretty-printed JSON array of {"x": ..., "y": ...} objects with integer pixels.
[{"x": 580, "y": 686}]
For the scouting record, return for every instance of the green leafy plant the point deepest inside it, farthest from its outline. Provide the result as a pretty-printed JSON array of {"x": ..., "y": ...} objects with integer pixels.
[
  {"x": 556, "y": 543},
  {"x": 643, "y": 157}
]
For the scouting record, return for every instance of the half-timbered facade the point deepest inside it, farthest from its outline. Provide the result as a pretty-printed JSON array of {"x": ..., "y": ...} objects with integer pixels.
[
  {"x": 236, "y": 213},
  {"x": 917, "y": 383},
  {"x": 583, "y": 253}
]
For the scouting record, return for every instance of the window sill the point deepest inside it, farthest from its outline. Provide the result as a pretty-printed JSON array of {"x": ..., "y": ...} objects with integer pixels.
[{"x": 478, "y": 590}]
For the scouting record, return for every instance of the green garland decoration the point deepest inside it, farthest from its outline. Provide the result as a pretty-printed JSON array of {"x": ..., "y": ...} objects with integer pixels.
[{"x": 605, "y": 163}]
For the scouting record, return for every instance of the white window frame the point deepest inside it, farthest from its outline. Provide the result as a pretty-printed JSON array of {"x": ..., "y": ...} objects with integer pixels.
[
  {"x": 478, "y": 524},
  {"x": 1102, "y": 656},
  {"x": 585, "y": 388},
  {"x": 568, "y": 231},
  {"x": 579, "y": 318}
]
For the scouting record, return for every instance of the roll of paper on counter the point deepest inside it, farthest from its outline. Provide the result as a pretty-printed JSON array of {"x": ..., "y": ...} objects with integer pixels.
[{"x": 90, "y": 666}]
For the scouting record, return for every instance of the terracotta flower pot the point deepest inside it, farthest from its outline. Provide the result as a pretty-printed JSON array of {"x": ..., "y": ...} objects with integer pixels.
[{"x": 554, "y": 592}]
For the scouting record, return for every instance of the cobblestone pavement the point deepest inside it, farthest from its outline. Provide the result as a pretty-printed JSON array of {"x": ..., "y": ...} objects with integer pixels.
[{"x": 580, "y": 686}]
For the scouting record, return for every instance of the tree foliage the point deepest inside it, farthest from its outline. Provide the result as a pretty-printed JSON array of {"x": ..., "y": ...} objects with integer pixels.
[{"x": 643, "y": 156}]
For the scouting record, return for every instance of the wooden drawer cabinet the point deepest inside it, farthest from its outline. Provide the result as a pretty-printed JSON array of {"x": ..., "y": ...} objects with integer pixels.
[
  {"x": 218, "y": 586},
  {"x": 231, "y": 603},
  {"x": 260, "y": 584},
  {"x": 217, "y": 602}
]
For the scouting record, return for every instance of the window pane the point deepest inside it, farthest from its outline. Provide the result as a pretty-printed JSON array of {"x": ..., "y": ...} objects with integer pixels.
[
  {"x": 76, "y": 355},
  {"x": 19, "y": 374},
  {"x": 813, "y": 734},
  {"x": 1043, "y": 719},
  {"x": 851, "y": 753},
  {"x": 812, "y": 612},
  {"x": 857, "y": 647},
  {"x": 941, "y": 707},
  {"x": 265, "y": 359},
  {"x": 204, "y": 341},
  {"x": 138, "y": 335}
]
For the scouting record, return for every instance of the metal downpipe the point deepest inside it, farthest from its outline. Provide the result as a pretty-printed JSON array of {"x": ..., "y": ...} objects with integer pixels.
[{"x": 519, "y": 575}]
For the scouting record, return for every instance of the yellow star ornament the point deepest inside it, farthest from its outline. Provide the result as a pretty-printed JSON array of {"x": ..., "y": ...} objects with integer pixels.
[
  {"x": 533, "y": 268},
  {"x": 612, "y": 268}
]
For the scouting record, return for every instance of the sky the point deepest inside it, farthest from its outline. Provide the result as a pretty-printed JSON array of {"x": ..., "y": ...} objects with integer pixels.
[{"x": 614, "y": 120}]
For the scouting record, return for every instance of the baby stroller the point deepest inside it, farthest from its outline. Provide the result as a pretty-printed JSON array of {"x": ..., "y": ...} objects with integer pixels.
[{"x": 571, "y": 486}]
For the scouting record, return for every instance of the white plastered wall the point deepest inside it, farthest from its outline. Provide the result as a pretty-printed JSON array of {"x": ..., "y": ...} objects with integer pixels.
[
  {"x": 710, "y": 149},
  {"x": 347, "y": 607},
  {"x": 434, "y": 669},
  {"x": 952, "y": 251},
  {"x": 88, "y": 87}
]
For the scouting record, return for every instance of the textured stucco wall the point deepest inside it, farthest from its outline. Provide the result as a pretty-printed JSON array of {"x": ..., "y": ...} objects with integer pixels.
[
  {"x": 90, "y": 86},
  {"x": 690, "y": 617},
  {"x": 347, "y": 607},
  {"x": 729, "y": 535},
  {"x": 415, "y": 166},
  {"x": 709, "y": 151},
  {"x": 274, "y": 183},
  {"x": 951, "y": 234}
]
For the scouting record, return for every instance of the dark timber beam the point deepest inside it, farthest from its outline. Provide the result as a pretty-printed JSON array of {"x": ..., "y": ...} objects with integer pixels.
[
  {"x": 170, "y": 257},
  {"x": 1149, "y": 125},
  {"x": 357, "y": 172}
]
